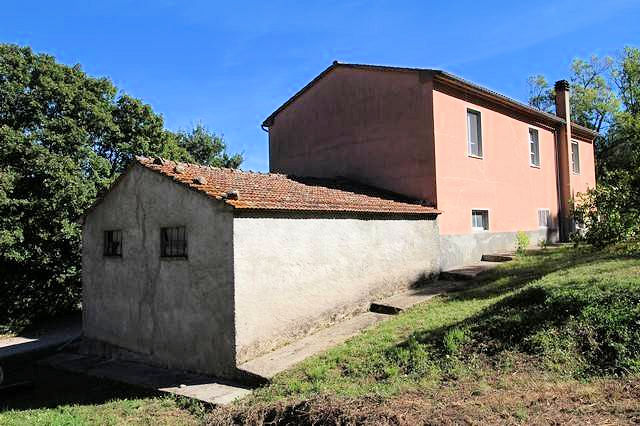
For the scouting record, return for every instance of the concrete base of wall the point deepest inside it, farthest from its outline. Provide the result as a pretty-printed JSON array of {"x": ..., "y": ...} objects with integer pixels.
[
  {"x": 461, "y": 250},
  {"x": 96, "y": 348}
]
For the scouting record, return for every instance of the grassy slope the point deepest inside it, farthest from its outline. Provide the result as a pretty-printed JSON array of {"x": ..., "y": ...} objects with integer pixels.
[
  {"x": 553, "y": 329},
  {"x": 524, "y": 309}
]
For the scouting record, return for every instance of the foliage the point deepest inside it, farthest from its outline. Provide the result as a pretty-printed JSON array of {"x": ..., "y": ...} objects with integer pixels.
[
  {"x": 522, "y": 242},
  {"x": 610, "y": 213},
  {"x": 605, "y": 96},
  {"x": 207, "y": 148},
  {"x": 64, "y": 137}
]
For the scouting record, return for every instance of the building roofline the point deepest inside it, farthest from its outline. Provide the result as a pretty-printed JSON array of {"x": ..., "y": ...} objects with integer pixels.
[{"x": 449, "y": 79}]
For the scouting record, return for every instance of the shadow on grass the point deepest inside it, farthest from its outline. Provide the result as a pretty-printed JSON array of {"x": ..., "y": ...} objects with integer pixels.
[
  {"x": 532, "y": 267},
  {"x": 581, "y": 314},
  {"x": 47, "y": 387}
]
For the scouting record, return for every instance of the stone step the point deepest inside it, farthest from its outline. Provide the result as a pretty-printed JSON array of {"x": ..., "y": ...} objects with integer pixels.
[
  {"x": 467, "y": 273},
  {"x": 380, "y": 308},
  {"x": 496, "y": 258}
]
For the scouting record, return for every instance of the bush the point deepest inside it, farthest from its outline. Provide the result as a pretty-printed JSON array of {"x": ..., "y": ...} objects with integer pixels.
[
  {"x": 522, "y": 242},
  {"x": 610, "y": 213}
]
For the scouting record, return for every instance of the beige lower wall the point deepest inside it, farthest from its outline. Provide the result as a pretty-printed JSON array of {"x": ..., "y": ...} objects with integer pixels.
[
  {"x": 296, "y": 274},
  {"x": 467, "y": 249}
]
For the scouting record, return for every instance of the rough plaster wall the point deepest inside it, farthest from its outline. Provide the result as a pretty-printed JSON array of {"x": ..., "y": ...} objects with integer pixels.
[
  {"x": 177, "y": 313},
  {"x": 367, "y": 125},
  {"x": 460, "y": 250},
  {"x": 297, "y": 274}
]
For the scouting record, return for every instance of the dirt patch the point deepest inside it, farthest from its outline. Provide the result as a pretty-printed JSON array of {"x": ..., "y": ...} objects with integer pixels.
[{"x": 509, "y": 399}]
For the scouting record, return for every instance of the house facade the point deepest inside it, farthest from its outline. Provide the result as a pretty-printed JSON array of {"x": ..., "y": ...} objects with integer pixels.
[
  {"x": 381, "y": 177},
  {"x": 492, "y": 165},
  {"x": 202, "y": 269}
]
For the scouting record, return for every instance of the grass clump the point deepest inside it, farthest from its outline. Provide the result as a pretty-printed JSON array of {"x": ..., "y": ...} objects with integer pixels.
[{"x": 522, "y": 242}]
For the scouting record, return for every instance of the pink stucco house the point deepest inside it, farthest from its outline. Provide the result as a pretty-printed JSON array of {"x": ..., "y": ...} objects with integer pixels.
[{"x": 492, "y": 165}]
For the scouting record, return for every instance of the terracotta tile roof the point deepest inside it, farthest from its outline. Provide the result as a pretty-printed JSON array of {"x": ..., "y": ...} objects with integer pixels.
[{"x": 271, "y": 191}]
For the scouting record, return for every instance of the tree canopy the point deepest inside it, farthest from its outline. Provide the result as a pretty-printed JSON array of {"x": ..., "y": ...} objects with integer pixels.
[
  {"x": 64, "y": 137},
  {"x": 605, "y": 96}
]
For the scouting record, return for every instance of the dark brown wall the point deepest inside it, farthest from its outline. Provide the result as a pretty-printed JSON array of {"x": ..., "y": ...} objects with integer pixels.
[{"x": 372, "y": 126}]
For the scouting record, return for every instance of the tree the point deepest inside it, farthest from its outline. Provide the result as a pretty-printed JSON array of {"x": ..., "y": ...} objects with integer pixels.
[
  {"x": 541, "y": 95},
  {"x": 207, "y": 148},
  {"x": 64, "y": 137},
  {"x": 593, "y": 102}
]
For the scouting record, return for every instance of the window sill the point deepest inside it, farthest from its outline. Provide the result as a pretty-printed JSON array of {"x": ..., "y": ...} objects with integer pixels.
[
  {"x": 475, "y": 156},
  {"x": 112, "y": 257},
  {"x": 534, "y": 166},
  {"x": 173, "y": 258},
  {"x": 479, "y": 230}
]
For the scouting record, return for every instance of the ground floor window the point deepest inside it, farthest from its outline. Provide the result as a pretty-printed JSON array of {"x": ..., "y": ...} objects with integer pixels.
[
  {"x": 480, "y": 220},
  {"x": 173, "y": 242},
  {"x": 544, "y": 218},
  {"x": 112, "y": 243}
]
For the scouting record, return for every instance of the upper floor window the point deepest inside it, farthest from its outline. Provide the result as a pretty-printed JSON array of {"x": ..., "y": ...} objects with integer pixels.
[
  {"x": 173, "y": 242},
  {"x": 544, "y": 218},
  {"x": 480, "y": 220},
  {"x": 112, "y": 243},
  {"x": 474, "y": 133},
  {"x": 534, "y": 148},
  {"x": 575, "y": 157}
]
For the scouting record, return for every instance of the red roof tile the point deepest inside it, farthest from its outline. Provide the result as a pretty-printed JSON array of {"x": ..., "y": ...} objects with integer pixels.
[{"x": 271, "y": 191}]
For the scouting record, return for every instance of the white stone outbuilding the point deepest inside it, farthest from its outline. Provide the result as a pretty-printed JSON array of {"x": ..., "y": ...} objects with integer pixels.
[{"x": 202, "y": 269}]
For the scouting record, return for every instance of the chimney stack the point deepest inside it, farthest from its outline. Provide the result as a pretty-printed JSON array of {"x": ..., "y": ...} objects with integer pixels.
[{"x": 563, "y": 144}]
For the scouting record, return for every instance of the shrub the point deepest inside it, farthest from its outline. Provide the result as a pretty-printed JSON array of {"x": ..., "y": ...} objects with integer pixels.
[
  {"x": 610, "y": 213},
  {"x": 522, "y": 242}
]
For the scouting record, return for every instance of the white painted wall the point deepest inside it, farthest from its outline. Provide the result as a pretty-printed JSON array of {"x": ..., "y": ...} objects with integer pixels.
[
  {"x": 294, "y": 274},
  {"x": 175, "y": 313}
]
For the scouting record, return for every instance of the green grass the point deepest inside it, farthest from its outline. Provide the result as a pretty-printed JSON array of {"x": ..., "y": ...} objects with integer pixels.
[
  {"x": 573, "y": 313},
  {"x": 144, "y": 411}
]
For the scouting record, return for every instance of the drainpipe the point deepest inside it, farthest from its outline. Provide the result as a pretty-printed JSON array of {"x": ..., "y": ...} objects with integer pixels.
[{"x": 563, "y": 142}]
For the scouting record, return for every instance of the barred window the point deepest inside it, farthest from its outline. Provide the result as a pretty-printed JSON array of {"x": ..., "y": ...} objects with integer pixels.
[
  {"x": 173, "y": 242},
  {"x": 112, "y": 243}
]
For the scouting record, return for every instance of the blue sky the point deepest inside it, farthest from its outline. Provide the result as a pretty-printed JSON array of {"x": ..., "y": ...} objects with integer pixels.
[{"x": 230, "y": 64}]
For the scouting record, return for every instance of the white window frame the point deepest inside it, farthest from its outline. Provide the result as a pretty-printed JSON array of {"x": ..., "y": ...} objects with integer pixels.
[
  {"x": 531, "y": 163},
  {"x": 477, "y": 229},
  {"x": 573, "y": 159},
  {"x": 480, "y": 147},
  {"x": 549, "y": 223}
]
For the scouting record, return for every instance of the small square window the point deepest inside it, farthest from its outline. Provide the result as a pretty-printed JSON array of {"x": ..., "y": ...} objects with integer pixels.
[
  {"x": 544, "y": 218},
  {"x": 575, "y": 157},
  {"x": 474, "y": 133},
  {"x": 173, "y": 242},
  {"x": 534, "y": 148},
  {"x": 480, "y": 220},
  {"x": 113, "y": 243}
]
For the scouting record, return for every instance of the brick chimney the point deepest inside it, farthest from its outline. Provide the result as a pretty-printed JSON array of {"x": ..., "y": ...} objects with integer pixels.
[{"x": 563, "y": 144}]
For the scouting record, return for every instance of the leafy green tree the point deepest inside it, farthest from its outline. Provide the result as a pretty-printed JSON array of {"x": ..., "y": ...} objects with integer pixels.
[
  {"x": 593, "y": 101},
  {"x": 64, "y": 137},
  {"x": 205, "y": 147}
]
